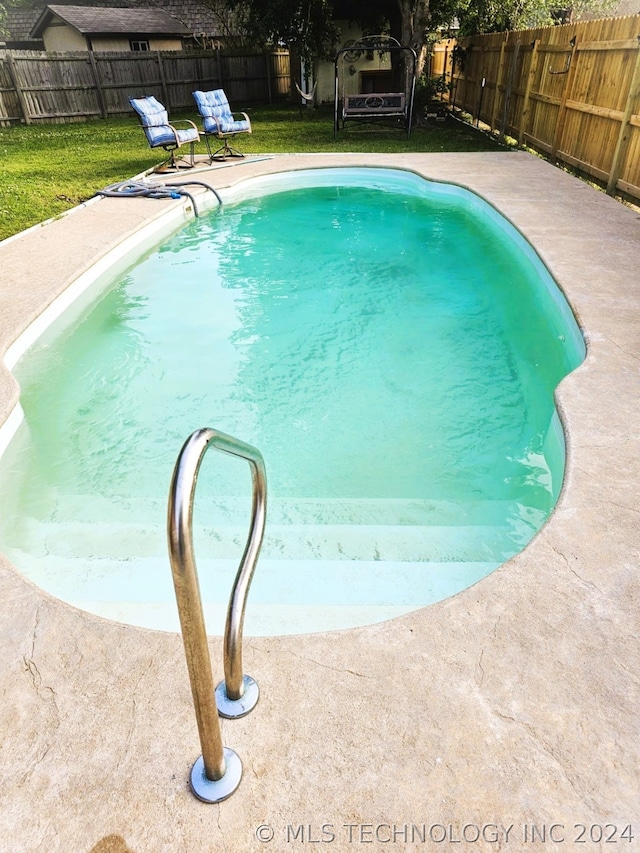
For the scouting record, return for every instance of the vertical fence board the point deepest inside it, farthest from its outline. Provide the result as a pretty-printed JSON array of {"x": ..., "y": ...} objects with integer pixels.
[
  {"x": 530, "y": 77},
  {"x": 625, "y": 133},
  {"x": 587, "y": 116},
  {"x": 96, "y": 80},
  {"x": 11, "y": 71},
  {"x": 567, "y": 89},
  {"x": 75, "y": 86},
  {"x": 10, "y": 110},
  {"x": 499, "y": 78}
]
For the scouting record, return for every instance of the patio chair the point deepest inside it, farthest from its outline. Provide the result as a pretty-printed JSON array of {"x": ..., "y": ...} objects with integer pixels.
[
  {"x": 219, "y": 121},
  {"x": 160, "y": 134}
]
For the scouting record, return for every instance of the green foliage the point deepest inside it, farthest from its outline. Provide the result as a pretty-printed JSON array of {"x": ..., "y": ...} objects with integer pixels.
[
  {"x": 428, "y": 91},
  {"x": 459, "y": 57},
  {"x": 308, "y": 26},
  {"x": 5, "y": 5},
  {"x": 431, "y": 88},
  {"x": 305, "y": 27},
  {"x": 485, "y": 16},
  {"x": 50, "y": 168}
]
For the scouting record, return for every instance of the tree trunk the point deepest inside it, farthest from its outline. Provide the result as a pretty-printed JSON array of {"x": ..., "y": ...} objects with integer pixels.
[{"x": 414, "y": 23}]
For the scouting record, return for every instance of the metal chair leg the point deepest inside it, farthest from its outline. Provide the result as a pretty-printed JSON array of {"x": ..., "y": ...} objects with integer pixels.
[
  {"x": 223, "y": 152},
  {"x": 174, "y": 164}
]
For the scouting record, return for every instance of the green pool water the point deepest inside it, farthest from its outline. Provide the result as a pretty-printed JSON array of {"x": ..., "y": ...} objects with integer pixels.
[{"x": 391, "y": 346}]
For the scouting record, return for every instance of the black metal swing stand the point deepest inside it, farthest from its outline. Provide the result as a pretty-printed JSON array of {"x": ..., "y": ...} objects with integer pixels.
[{"x": 393, "y": 110}]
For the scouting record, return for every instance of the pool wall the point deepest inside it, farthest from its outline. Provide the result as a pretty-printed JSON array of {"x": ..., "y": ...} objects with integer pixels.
[
  {"x": 515, "y": 703},
  {"x": 81, "y": 291}
]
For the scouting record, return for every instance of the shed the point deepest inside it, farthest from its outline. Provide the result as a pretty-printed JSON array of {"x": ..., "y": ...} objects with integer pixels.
[{"x": 64, "y": 28}]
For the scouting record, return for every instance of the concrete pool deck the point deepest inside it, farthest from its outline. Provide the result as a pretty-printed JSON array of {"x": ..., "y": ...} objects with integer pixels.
[{"x": 513, "y": 705}]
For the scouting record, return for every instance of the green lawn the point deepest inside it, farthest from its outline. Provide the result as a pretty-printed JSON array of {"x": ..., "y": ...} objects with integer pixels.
[{"x": 49, "y": 168}]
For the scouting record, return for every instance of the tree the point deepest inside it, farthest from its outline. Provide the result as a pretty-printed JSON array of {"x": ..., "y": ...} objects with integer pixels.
[
  {"x": 414, "y": 22},
  {"x": 306, "y": 27},
  {"x": 230, "y": 22},
  {"x": 406, "y": 20},
  {"x": 485, "y": 16},
  {"x": 309, "y": 26},
  {"x": 4, "y": 8}
]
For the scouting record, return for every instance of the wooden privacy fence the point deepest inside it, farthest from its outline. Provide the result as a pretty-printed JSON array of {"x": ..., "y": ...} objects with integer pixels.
[
  {"x": 572, "y": 92},
  {"x": 439, "y": 59},
  {"x": 62, "y": 87}
]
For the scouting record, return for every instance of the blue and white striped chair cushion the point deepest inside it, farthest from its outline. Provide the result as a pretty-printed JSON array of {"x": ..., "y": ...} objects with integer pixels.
[
  {"x": 150, "y": 110},
  {"x": 161, "y": 135},
  {"x": 214, "y": 108},
  {"x": 155, "y": 122},
  {"x": 188, "y": 134},
  {"x": 223, "y": 125}
]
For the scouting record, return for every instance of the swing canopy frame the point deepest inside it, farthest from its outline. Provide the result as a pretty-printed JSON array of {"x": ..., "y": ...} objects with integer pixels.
[{"x": 392, "y": 109}]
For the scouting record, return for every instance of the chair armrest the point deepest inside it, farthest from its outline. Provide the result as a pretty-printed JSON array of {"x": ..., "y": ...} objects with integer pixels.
[
  {"x": 184, "y": 121},
  {"x": 246, "y": 118}
]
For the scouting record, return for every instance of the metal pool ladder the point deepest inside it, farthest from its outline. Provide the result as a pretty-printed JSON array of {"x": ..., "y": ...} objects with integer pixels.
[{"x": 217, "y": 773}]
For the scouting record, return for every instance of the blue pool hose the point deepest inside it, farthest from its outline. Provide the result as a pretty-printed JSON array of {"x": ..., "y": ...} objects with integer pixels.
[{"x": 138, "y": 189}]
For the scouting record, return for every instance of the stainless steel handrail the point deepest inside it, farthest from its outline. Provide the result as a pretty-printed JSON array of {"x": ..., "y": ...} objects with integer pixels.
[{"x": 216, "y": 774}]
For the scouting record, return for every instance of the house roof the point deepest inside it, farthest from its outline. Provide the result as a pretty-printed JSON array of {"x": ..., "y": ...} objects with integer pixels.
[{"x": 94, "y": 21}]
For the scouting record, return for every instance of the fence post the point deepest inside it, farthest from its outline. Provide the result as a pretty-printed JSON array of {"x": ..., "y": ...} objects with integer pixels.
[
  {"x": 163, "y": 82},
  {"x": 562, "y": 112},
  {"x": 267, "y": 62},
  {"x": 96, "y": 79},
  {"x": 634, "y": 91},
  {"x": 533, "y": 67},
  {"x": 19, "y": 92},
  {"x": 507, "y": 94},
  {"x": 496, "y": 94},
  {"x": 219, "y": 62},
  {"x": 444, "y": 67}
]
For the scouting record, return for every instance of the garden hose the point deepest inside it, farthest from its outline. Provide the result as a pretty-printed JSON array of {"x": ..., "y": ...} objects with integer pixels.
[{"x": 139, "y": 189}]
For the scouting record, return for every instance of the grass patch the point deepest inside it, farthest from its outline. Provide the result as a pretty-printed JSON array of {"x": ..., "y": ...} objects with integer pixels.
[{"x": 48, "y": 169}]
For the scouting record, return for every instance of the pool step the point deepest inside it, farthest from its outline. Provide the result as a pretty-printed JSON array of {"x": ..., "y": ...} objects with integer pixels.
[
  {"x": 235, "y": 510},
  {"x": 295, "y": 541},
  {"x": 323, "y": 565},
  {"x": 287, "y": 596}
]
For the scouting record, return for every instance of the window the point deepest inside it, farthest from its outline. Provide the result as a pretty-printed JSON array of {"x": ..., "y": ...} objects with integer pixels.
[{"x": 139, "y": 44}]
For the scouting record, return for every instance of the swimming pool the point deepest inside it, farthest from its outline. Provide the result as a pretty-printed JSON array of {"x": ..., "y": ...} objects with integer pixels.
[{"x": 397, "y": 504}]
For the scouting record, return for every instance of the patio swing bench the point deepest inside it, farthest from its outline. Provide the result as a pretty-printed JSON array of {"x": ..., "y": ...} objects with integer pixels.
[
  {"x": 376, "y": 106},
  {"x": 390, "y": 109},
  {"x": 387, "y": 104}
]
